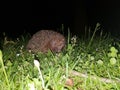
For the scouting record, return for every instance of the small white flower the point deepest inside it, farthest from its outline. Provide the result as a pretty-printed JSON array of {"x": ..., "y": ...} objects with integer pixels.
[
  {"x": 37, "y": 64},
  {"x": 17, "y": 54},
  {"x": 22, "y": 47}
]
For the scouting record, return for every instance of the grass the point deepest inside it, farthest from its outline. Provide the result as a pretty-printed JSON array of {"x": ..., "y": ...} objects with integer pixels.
[{"x": 91, "y": 63}]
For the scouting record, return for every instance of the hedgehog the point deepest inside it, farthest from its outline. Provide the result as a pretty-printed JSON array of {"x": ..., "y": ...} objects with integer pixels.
[{"x": 45, "y": 40}]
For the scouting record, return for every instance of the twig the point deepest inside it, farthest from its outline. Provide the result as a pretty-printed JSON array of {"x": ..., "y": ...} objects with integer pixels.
[{"x": 75, "y": 73}]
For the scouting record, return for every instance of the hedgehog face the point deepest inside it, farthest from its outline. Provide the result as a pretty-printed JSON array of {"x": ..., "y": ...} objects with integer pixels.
[{"x": 57, "y": 45}]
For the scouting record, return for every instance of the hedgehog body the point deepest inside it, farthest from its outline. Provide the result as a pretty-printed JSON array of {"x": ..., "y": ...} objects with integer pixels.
[{"x": 45, "y": 40}]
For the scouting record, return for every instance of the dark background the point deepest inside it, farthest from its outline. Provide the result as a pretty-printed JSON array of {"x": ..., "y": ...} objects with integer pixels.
[{"x": 19, "y": 17}]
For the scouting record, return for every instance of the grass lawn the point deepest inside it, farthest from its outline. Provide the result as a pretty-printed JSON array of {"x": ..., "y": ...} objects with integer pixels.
[{"x": 86, "y": 63}]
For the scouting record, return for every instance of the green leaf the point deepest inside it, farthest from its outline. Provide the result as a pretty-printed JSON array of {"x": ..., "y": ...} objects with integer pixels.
[
  {"x": 100, "y": 62},
  {"x": 113, "y": 61}
]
